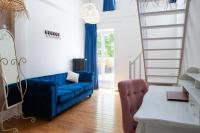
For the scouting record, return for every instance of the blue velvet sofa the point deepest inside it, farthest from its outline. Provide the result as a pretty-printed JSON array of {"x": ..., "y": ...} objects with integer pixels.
[{"x": 48, "y": 96}]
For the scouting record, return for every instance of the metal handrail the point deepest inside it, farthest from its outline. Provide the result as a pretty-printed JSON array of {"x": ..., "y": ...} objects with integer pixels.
[{"x": 132, "y": 67}]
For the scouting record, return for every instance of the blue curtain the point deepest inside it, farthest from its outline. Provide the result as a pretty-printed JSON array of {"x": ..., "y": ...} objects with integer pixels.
[
  {"x": 172, "y": 1},
  {"x": 109, "y": 5},
  {"x": 90, "y": 51}
]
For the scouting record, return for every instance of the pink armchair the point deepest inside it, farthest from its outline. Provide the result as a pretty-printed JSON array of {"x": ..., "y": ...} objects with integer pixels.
[{"x": 131, "y": 95}]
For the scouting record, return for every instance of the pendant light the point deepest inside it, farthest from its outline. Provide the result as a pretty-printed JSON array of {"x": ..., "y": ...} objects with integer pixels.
[
  {"x": 15, "y": 6},
  {"x": 89, "y": 13}
]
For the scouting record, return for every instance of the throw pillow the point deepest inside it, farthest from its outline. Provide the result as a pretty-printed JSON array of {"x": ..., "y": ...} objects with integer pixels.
[{"x": 72, "y": 76}]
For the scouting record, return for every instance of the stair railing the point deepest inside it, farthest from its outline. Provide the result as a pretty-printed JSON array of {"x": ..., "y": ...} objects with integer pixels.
[{"x": 133, "y": 65}]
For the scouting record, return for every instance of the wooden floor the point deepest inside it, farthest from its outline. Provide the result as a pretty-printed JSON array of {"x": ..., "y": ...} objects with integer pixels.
[{"x": 99, "y": 114}]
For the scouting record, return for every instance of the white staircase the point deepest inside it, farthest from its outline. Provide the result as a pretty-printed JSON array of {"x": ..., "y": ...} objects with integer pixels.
[{"x": 163, "y": 30}]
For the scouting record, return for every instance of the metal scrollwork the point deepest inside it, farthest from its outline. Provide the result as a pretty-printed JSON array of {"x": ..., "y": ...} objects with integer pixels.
[
  {"x": 4, "y": 61},
  {"x": 22, "y": 60},
  {"x": 14, "y": 62}
]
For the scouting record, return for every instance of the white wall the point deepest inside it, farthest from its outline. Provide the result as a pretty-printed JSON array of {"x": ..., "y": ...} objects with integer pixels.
[
  {"x": 192, "y": 47},
  {"x": 127, "y": 35},
  {"x": 46, "y": 55}
]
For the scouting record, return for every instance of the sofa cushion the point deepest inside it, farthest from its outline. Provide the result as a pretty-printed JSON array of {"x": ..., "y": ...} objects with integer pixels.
[
  {"x": 85, "y": 77},
  {"x": 86, "y": 85},
  {"x": 58, "y": 79},
  {"x": 64, "y": 95},
  {"x": 77, "y": 90}
]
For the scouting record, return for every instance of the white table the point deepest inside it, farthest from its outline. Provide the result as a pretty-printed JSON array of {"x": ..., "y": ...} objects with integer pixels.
[{"x": 157, "y": 115}]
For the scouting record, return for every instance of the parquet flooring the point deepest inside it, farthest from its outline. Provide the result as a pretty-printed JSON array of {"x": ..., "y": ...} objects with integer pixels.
[{"x": 99, "y": 114}]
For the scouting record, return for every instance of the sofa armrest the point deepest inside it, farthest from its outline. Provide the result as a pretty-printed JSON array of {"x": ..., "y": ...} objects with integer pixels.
[
  {"x": 85, "y": 77},
  {"x": 40, "y": 99}
]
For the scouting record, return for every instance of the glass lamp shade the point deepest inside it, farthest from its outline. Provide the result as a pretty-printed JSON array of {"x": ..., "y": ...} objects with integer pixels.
[
  {"x": 16, "y": 6},
  {"x": 90, "y": 14}
]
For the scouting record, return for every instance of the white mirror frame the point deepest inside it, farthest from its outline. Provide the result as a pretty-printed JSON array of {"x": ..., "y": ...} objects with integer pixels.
[
  {"x": 3, "y": 83},
  {"x": 4, "y": 33}
]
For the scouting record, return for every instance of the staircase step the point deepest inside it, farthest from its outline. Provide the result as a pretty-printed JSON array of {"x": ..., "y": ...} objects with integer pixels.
[
  {"x": 165, "y": 81},
  {"x": 166, "y": 49},
  {"x": 162, "y": 84},
  {"x": 163, "y": 38},
  {"x": 169, "y": 12},
  {"x": 164, "y": 59},
  {"x": 163, "y": 26},
  {"x": 162, "y": 68},
  {"x": 162, "y": 75}
]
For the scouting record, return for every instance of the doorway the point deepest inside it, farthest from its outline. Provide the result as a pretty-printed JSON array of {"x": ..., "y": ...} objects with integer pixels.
[{"x": 106, "y": 58}]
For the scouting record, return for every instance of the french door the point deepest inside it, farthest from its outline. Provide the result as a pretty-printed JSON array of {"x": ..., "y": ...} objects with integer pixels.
[{"x": 105, "y": 54}]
